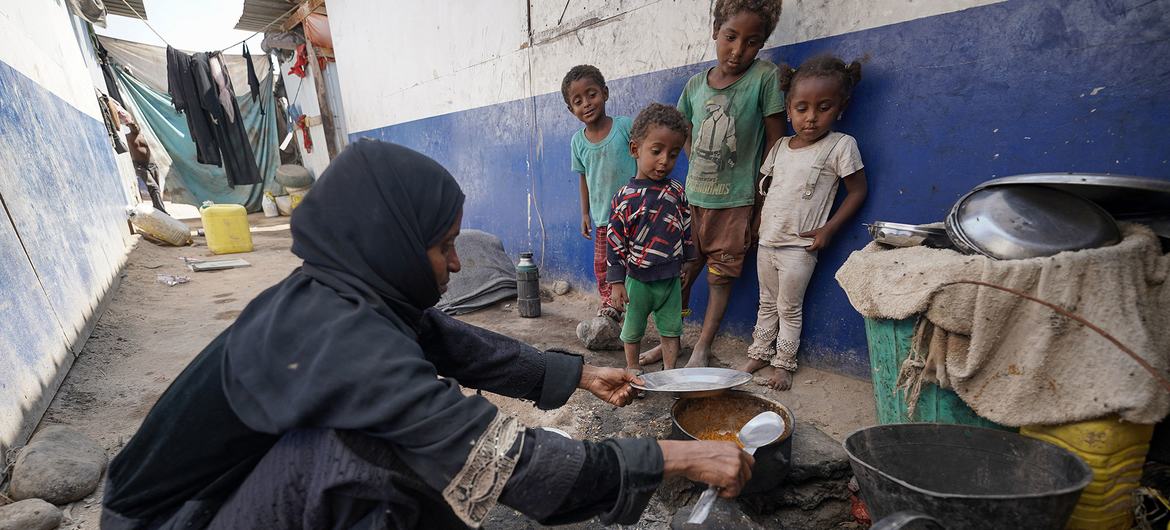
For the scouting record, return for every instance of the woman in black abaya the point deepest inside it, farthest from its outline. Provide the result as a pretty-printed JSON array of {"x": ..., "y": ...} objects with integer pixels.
[{"x": 334, "y": 399}]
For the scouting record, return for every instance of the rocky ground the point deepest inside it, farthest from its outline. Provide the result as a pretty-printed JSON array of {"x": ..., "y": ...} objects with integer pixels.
[{"x": 151, "y": 331}]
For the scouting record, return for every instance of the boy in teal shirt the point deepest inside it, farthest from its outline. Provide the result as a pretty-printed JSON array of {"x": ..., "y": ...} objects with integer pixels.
[{"x": 601, "y": 155}]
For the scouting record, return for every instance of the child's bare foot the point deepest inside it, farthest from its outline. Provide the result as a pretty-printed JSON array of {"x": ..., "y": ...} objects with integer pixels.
[
  {"x": 698, "y": 358},
  {"x": 752, "y": 365},
  {"x": 781, "y": 379},
  {"x": 650, "y": 356}
]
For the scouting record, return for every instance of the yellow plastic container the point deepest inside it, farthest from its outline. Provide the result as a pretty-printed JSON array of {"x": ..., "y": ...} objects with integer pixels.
[
  {"x": 226, "y": 228},
  {"x": 1116, "y": 451}
]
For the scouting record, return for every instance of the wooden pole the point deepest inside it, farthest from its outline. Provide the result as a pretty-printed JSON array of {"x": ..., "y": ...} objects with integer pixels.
[{"x": 322, "y": 100}]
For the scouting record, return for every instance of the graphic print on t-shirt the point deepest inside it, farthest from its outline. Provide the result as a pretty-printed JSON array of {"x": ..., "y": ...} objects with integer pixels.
[{"x": 713, "y": 147}]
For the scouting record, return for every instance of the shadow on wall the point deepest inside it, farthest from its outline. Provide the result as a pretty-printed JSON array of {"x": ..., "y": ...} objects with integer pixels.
[{"x": 945, "y": 102}]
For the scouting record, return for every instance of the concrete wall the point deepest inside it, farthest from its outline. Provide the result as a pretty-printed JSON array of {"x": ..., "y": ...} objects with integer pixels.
[
  {"x": 63, "y": 233},
  {"x": 302, "y": 99},
  {"x": 955, "y": 92}
]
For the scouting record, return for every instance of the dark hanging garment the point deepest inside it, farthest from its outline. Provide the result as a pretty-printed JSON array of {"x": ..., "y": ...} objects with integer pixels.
[
  {"x": 253, "y": 81},
  {"x": 108, "y": 73},
  {"x": 111, "y": 122},
  {"x": 185, "y": 98},
  {"x": 239, "y": 161}
]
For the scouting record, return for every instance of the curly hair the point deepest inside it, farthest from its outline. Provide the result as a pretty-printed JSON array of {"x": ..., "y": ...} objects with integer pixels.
[
  {"x": 767, "y": 10},
  {"x": 657, "y": 114},
  {"x": 581, "y": 71},
  {"x": 823, "y": 66}
]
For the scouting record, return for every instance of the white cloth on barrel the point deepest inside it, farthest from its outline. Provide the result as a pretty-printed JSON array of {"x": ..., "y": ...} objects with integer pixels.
[{"x": 1014, "y": 361}]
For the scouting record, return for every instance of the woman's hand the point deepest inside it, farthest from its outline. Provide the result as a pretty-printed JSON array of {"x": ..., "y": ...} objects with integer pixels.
[
  {"x": 586, "y": 226},
  {"x": 720, "y": 464},
  {"x": 611, "y": 385},
  {"x": 820, "y": 236}
]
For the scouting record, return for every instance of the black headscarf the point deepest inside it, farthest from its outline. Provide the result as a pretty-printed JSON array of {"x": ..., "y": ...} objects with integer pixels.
[
  {"x": 335, "y": 345},
  {"x": 368, "y": 222}
]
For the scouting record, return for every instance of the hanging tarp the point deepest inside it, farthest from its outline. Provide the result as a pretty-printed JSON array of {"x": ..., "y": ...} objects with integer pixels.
[
  {"x": 142, "y": 74},
  {"x": 191, "y": 182}
]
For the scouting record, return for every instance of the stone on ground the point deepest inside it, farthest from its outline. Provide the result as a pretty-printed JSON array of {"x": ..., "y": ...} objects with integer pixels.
[
  {"x": 561, "y": 287},
  {"x": 600, "y": 333},
  {"x": 59, "y": 465},
  {"x": 29, "y": 514},
  {"x": 816, "y": 455}
]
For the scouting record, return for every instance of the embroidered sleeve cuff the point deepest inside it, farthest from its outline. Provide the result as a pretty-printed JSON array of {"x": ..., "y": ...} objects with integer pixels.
[
  {"x": 562, "y": 373},
  {"x": 641, "y": 467}
]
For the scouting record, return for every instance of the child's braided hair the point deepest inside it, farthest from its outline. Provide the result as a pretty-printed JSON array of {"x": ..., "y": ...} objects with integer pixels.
[
  {"x": 657, "y": 114},
  {"x": 581, "y": 71},
  {"x": 767, "y": 10},
  {"x": 823, "y": 66}
]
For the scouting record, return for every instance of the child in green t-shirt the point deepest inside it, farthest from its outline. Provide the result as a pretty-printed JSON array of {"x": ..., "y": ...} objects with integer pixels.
[
  {"x": 601, "y": 155},
  {"x": 734, "y": 110}
]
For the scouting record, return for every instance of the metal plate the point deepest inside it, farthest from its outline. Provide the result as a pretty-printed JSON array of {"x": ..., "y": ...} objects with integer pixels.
[
  {"x": 692, "y": 381},
  {"x": 1123, "y": 196},
  {"x": 907, "y": 235},
  {"x": 1028, "y": 221}
]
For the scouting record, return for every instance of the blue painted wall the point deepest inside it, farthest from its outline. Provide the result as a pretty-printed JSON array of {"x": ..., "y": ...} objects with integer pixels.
[
  {"x": 945, "y": 102},
  {"x": 62, "y": 229}
]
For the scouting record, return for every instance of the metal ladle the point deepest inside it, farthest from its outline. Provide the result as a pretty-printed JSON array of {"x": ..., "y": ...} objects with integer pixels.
[{"x": 761, "y": 430}]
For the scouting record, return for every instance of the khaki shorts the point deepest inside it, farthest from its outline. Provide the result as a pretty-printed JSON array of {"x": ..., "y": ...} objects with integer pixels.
[{"x": 722, "y": 238}]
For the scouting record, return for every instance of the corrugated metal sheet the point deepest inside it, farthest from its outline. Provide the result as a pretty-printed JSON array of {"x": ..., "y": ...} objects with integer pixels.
[
  {"x": 118, "y": 7},
  {"x": 260, "y": 13}
]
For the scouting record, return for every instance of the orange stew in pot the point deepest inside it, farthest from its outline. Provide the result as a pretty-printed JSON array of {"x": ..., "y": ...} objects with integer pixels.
[{"x": 718, "y": 435}]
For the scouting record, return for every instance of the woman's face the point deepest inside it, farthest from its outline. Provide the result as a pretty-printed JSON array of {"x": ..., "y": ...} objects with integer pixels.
[{"x": 444, "y": 260}]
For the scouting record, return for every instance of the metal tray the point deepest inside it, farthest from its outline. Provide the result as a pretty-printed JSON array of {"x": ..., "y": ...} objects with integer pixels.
[
  {"x": 1136, "y": 199},
  {"x": 907, "y": 235},
  {"x": 1028, "y": 221},
  {"x": 693, "y": 382}
]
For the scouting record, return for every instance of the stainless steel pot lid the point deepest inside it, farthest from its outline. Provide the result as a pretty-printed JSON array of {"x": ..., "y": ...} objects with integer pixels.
[
  {"x": 1028, "y": 221},
  {"x": 1122, "y": 196},
  {"x": 690, "y": 380}
]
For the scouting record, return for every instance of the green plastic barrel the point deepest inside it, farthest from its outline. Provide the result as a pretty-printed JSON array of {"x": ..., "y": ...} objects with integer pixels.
[{"x": 889, "y": 345}]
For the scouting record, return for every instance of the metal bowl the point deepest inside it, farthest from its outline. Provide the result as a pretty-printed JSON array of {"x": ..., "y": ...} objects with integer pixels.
[
  {"x": 907, "y": 235},
  {"x": 1028, "y": 221},
  {"x": 693, "y": 382}
]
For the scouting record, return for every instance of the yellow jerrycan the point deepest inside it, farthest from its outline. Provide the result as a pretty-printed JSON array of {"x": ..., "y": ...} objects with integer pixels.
[
  {"x": 1116, "y": 451},
  {"x": 226, "y": 228}
]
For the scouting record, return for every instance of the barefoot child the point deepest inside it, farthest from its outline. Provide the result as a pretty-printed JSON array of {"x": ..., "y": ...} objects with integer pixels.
[
  {"x": 601, "y": 155},
  {"x": 650, "y": 235},
  {"x": 734, "y": 111},
  {"x": 805, "y": 170}
]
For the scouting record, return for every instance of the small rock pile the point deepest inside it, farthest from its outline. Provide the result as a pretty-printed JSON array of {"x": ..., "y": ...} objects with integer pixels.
[{"x": 58, "y": 466}]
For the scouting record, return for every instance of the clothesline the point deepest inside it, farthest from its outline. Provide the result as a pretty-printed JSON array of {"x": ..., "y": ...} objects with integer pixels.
[{"x": 221, "y": 50}]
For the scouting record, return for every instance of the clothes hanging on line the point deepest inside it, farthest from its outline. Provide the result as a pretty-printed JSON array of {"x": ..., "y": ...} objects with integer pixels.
[
  {"x": 253, "y": 81},
  {"x": 185, "y": 97},
  {"x": 202, "y": 90},
  {"x": 107, "y": 72}
]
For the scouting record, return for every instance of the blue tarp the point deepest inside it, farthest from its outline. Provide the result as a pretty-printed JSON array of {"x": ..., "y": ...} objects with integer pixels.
[{"x": 201, "y": 182}]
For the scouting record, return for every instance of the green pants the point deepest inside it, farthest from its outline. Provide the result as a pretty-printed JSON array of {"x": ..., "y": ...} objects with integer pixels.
[{"x": 663, "y": 298}]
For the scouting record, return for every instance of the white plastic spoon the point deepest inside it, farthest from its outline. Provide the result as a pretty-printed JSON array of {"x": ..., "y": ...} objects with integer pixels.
[{"x": 761, "y": 430}]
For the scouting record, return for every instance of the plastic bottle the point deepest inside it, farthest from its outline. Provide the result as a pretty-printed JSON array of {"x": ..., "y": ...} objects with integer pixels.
[
  {"x": 1116, "y": 451},
  {"x": 527, "y": 286},
  {"x": 159, "y": 225},
  {"x": 269, "y": 205},
  {"x": 226, "y": 228}
]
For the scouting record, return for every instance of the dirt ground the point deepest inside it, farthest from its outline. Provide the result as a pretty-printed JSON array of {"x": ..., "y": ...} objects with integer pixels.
[{"x": 151, "y": 331}]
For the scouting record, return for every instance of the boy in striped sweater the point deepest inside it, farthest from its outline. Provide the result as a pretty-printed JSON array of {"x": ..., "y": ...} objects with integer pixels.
[{"x": 650, "y": 235}]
